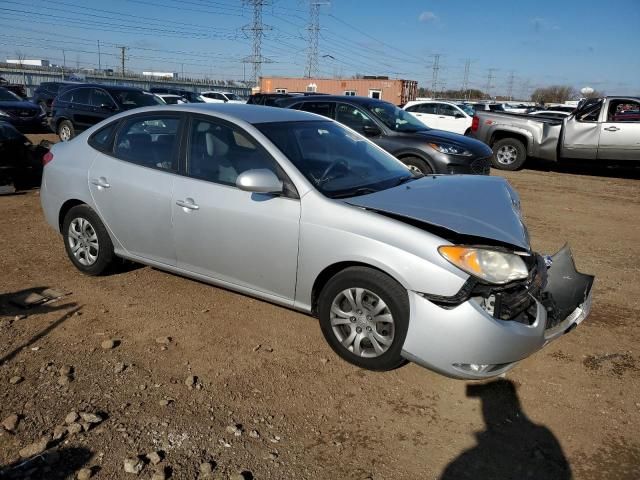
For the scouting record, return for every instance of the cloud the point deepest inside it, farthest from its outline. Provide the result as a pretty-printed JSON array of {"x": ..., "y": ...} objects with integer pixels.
[
  {"x": 539, "y": 24},
  {"x": 426, "y": 17}
]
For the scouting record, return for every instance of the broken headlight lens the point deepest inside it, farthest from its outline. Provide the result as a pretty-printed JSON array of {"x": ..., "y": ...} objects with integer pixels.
[
  {"x": 450, "y": 149},
  {"x": 489, "y": 265}
]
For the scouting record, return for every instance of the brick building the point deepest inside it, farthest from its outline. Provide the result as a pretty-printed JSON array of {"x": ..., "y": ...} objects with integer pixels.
[{"x": 395, "y": 91}]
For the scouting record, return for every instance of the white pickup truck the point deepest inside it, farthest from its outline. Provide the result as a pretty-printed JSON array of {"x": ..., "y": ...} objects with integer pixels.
[{"x": 605, "y": 128}]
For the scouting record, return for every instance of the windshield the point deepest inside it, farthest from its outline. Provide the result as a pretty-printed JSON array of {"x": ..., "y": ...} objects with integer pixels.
[
  {"x": 134, "y": 98},
  {"x": 337, "y": 161},
  {"x": 468, "y": 109},
  {"x": 8, "y": 96},
  {"x": 395, "y": 118}
]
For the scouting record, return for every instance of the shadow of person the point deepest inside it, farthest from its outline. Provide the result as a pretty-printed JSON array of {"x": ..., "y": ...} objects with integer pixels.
[
  {"x": 511, "y": 446},
  {"x": 53, "y": 463}
]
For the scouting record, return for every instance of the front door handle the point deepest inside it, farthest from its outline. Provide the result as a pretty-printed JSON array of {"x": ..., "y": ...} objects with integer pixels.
[
  {"x": 188, "y": 203},
  {"x": 100, "y": 182},
  {"x": 612, "y": 129}
]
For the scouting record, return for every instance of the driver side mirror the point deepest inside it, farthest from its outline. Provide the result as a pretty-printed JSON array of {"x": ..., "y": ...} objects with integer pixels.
[
  {"x": 371, "y": 130},
  {"x": 459, "y": 115},
  {"x": 260, "y": 180},
  {"x": 108, "y": 107}
]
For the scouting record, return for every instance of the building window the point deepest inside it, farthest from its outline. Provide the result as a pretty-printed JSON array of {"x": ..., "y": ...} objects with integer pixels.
[
  {"x": 350, "y": 93},
  {"x": 377, "y": 94},
  {"x": 312, "y": 87},
  {"x": 281, "y": 90}
]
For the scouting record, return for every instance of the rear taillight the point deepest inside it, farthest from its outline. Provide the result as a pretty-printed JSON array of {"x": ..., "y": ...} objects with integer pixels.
[
  {"x": 475, "y": 123},
  {"x": 47, "y": 157}
]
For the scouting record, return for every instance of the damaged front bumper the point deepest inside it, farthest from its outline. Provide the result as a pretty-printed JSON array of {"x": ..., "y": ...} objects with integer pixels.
[{"x": 470, "y": 340}]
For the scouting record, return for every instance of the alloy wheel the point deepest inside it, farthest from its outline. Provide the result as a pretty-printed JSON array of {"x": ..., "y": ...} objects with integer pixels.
[
  {"x": 65, "y": 133},
  {"x": 362, "y": 322},
  {"x": 83, "y": 241},
  {"x": 507, "y": 154}
]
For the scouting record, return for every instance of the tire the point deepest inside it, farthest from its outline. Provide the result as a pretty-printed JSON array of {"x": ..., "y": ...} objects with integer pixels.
[
  {"x": 94, "y": 254},
  {"x": 508, "y": 154},
  {"x": 353, "y": 337},
  {"x": 417, "y": 164},
  {"x": 66, "y": 131}
]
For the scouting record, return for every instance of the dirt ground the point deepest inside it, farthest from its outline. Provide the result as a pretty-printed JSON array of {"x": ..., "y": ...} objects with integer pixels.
[{"x": 271, "y": 401}]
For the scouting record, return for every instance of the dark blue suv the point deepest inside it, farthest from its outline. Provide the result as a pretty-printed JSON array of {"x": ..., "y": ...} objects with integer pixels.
[{"x": 79, "y": 107}]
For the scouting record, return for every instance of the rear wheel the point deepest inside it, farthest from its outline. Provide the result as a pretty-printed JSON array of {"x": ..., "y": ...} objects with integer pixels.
[
  {"x": 417, "y": 164},
  {"x": 87, "y": 241},
  {"x": 508, "y": 154},
  {"x": 66, "y": 131},
  {"x": 364, "y": 316}
]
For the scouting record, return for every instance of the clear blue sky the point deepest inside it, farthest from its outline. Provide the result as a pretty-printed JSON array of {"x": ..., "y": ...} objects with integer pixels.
[{"x": 542, "y": 42}]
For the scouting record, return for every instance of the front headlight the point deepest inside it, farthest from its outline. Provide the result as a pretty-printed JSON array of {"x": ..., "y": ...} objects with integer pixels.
[
  {"x": 3, "y": 114},
  {"x": 489, "y": 265},
  {"x": 450, "y": 149}
]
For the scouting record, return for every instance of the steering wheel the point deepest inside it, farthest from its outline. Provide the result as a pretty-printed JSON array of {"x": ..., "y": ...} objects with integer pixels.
[{"x": 323, "y": 178}]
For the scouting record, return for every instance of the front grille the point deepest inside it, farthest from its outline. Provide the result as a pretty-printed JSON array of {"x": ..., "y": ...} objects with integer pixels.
[{"x": 479, "y": 166}]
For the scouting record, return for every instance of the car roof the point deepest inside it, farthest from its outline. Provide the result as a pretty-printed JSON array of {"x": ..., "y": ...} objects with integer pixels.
[
  {"x": 334, "y": 98},
  {"x": 249, "y": 113},
  {"x": 104, "y": 87}
]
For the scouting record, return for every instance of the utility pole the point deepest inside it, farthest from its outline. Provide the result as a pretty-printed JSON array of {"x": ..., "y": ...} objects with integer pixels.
[
  {"x": 510, "y": 86},
  {"x": 465, "y": 80},
  {"x": 256, "y": 29},
  {"x": 99, "y": 62},
  {"x": 489, "y": 82},
  {"x": 434, "y": 73},
  {"x": 64, "y": 62},
  {"x": 314, "y": 31},
  {"x": 123, "y": 50}
]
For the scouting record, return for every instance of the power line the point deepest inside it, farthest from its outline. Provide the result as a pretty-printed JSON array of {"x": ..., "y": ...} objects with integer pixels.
[
  {"x": 123, "y": 50},
  {"x": 490, "y": 77},
  {"x": 257, "y": 29},
  {"x": 314, "y": 29},
  {"x": 510, "y": 85},
  {"x": 434, "y": 74},
  {"x": 465, "y": 81}
]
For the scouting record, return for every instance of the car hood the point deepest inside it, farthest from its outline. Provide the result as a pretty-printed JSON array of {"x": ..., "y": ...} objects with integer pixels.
[
  {"x": 477, "y": 206},
  {"x": 19, "y": 105},
  {"x": 475, "y": 146}
]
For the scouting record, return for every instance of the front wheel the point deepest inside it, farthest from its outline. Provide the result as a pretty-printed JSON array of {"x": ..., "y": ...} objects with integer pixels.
[
  {"x": 508, "y": 154},
  {"x": 87, "y": 241},
  {"x": 417, "y": 165},
  {"x": 364, "y": 316}
]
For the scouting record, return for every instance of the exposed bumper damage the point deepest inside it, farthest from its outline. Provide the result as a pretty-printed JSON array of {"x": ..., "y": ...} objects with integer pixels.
[{"x": 484, "y": 330}]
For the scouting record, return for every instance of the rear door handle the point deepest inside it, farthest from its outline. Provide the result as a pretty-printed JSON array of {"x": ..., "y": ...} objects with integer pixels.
[
  {"x": 188, "y": 203},
  {"x": 612, "y": 129},
  {"x": 441, "y": 117},
  {"x": 100, "y": 182}
]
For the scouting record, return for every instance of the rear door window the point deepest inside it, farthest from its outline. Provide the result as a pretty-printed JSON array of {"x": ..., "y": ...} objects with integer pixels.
[
  {"x": 103, "y": 139},
  {"x": 447, "y": 110},
  {"x": 150, "y": 141},
  {"x": 99, "y": 97},
  {"x": 429, "y": 108}
]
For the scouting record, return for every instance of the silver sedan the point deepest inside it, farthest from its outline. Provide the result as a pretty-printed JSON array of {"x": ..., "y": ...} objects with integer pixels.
[{"x": 301, "y": 211}]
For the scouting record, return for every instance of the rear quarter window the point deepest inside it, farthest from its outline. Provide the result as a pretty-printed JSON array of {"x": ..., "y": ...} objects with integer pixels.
[{"x": 103, "y": 139}]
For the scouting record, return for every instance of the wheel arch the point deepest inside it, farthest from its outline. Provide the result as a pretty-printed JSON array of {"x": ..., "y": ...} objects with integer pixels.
[
  {"x": 64, "y": 209},
  {"x": 425, "y": 158},
  {"x": 502, "y": 134},
  {"x": 331, "y": 271}
]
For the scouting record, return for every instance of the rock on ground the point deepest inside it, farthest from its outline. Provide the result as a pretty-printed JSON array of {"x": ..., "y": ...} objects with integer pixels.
[
  {"x": 133, "y": 465},
  {"x": 11, "y": 422},
  {"x": 34, "y": 448}
]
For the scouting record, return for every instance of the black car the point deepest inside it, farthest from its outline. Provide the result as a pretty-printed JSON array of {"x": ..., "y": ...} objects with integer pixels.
[
  {"x": 23, "y": 114},
  {"x": 271, "y": 99},
  {"x": 14, "y": 87},
  {"x": 191, "y": 97},
  {"x": 46, "y": 92},
  {"x": 419, "y": 147},
  {"x": 20, "y": 160},
  {"x": 79, "y": 107}
]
